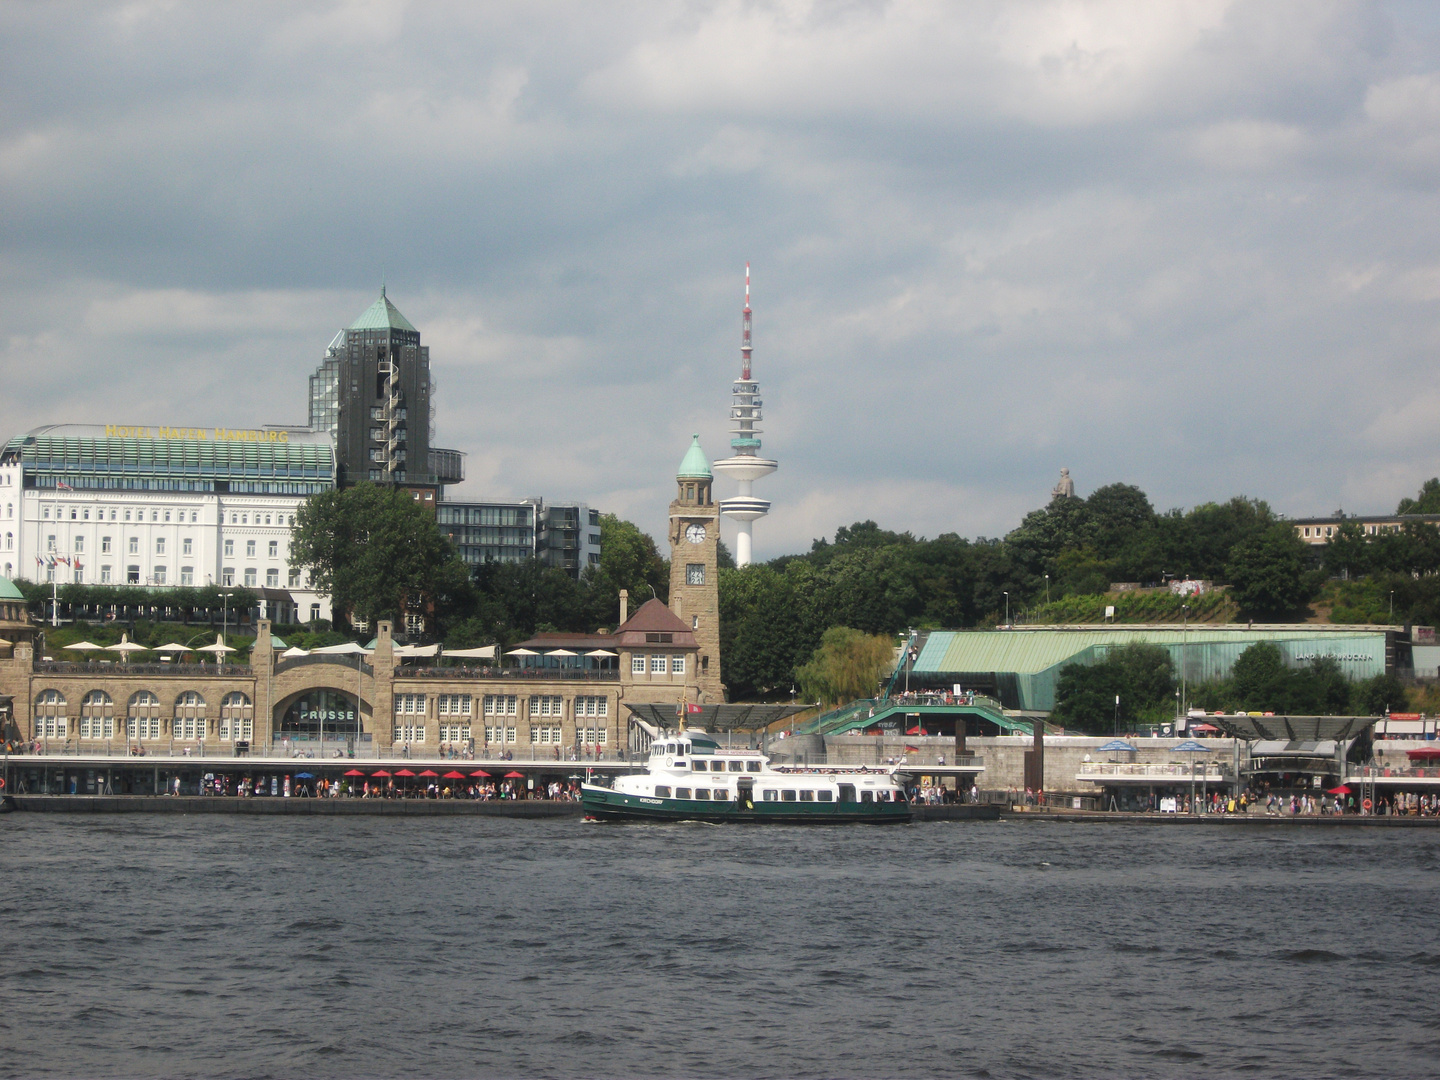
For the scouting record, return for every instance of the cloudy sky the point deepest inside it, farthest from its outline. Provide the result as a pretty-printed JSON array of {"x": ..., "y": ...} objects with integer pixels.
[{"x": 1192, "y": 246}]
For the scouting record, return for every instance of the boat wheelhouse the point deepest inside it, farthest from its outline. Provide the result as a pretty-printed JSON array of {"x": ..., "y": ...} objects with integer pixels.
[{"x": 690, "y": 777}]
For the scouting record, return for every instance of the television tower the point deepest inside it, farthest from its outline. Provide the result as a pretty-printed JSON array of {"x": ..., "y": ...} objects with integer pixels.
[{"x": 745, "y": 465}]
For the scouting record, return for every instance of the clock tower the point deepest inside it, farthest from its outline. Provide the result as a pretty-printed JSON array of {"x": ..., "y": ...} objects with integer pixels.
[{"x": 694, "y": 588}]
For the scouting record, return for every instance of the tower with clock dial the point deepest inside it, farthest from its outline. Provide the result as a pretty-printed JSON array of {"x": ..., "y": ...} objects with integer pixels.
[{"x": 694, "y": 589}]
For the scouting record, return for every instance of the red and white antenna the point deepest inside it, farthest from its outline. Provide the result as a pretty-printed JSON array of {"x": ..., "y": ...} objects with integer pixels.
[{"x": 745, "y": 349}]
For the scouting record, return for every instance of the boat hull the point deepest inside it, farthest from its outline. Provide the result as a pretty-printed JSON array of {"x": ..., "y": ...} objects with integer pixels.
[{"x": 604, "y": 804}]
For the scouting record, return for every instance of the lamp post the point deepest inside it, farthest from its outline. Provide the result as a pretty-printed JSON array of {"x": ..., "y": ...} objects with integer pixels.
[
  {"x": 1184, "y": 652},
  {"x": 1007, "y": 609},
  {"x": 1047, "y": 588},
  {"x": 224, "y": 616},
  {"x": 1116, "y": 728},
  {"x": 1392, "y": 605}
]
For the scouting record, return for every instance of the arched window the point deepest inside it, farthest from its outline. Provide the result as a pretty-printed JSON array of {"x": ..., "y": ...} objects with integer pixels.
[
  {"x": 145, "y": 710},
  {"x": 236, "y": 718},
  {"x": 50, "y": 721},
  {"x": 189, "y": 716},
  {"x": 9, "y": 541},
  {"x": 97, "y": 716}
]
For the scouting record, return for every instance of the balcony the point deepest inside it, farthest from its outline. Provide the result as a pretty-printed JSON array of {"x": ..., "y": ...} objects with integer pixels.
[
  {"x": 447, "y": 466},
  {"x": 1142, "y": 773}
]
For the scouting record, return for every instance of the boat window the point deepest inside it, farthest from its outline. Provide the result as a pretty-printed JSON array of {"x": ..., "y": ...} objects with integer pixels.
[
  {"x": 847, "y": 792},
  {"x": 687, "y": 748},
  {"x": 698, "y": 766},
  {"x": 769, "y": 796},
  {"x": 720, "y": 793},
  {"x": 752, "y": 766},
  {"x": 787, "y": 796},
  {"x": 737, "y": 766},
  {"x": 867, "y": 796},
  {"x": 702, "y": 793},
  {"x": 680, "y": 763},
  {"x": 823, "y": 796},
  {"x": 682, "y": 793},
  {"x": 807, "y": 796},
  {"x": 662, "y": 791}
]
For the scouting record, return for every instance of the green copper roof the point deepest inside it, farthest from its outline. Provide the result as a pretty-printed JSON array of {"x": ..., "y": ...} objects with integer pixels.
[
  {"x": 382, "y": 314},
  {"x": 695, "y": 465},
  {"x": 8, "y": 591}
]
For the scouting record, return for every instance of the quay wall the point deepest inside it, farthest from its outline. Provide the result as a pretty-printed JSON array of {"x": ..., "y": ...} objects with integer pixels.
[{"x": 166, "y": 804}]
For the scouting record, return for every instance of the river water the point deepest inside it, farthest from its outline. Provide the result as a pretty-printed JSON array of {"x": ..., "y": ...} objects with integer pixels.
[{"x": 444, "y": 947}]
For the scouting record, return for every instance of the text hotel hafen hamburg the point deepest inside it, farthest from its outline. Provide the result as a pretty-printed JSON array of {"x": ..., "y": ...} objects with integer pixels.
[{"x": 220, "y": 434}]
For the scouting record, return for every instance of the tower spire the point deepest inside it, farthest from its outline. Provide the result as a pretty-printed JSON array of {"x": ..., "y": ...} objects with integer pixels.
[{"x": 745, "y": 349}]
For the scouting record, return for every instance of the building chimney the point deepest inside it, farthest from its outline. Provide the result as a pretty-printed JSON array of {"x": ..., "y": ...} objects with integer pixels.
[{"x": 624, "y": 605}]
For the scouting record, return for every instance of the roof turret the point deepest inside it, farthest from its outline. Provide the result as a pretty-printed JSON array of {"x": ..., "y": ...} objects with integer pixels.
[
  {"x": 382, "y": 315},
  {"x": 694, "y": 465},
  {"x": 8, "y": 591}
]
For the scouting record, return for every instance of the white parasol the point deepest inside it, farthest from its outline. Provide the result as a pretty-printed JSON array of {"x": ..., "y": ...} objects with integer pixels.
[
  {"x": 522, "y": 652},
  {"x": 484, "y": 652},
  {"x": 349, "y": 648},
  {"x": 293, "y": 652},
  {"x": 218, "y": 648},
  {"x": 125, "y": 646},
  {"x": 174, "y": 647},
  {"x": 82, "y": 646},
  {"x": 601, "y": 652},
  {"x": 561, "y": 652}
]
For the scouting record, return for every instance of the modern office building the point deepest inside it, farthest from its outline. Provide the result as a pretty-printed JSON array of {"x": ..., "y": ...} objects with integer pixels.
[
  {"x": 163, "y": 507},
  {"x": 564, "y": 535},
  {"x": 372, "y": 394}
]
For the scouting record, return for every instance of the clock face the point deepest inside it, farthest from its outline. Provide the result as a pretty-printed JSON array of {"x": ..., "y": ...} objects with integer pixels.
[{"x": 695, "y": 534}]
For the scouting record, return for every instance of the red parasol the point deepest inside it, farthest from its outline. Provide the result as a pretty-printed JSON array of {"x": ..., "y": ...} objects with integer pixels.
[
  {"x": 1341, "y": 790},
  {"x": 514, "y": 776},
  {"x": 404, "y": 772},
  {"x": 429, "y": 772},
  {"x": 1425, "y": 753},
  {"x": 354, "y": 772},
  {"x": 453, "y": 775},
  {"x": 382, "y": 772},
  {"x": 481, "y": 772}
]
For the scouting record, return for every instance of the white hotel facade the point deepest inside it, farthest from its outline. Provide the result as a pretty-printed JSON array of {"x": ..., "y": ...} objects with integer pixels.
[{"x": 164, "y": 507}]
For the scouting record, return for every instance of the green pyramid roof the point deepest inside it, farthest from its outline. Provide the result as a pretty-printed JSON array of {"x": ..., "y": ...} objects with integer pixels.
[
  {"x": 695, "y": 465},
  {"x": 381, "y": 315},
  {"x": 8, "y": 591}
]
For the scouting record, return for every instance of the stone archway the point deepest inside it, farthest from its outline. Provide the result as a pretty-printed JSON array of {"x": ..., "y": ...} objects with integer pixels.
[{"x": 323, "y": 721}]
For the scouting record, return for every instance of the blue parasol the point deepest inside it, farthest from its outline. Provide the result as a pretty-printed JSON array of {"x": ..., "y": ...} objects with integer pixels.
[
  {"x": 1190, "y": 746},
  {"x": 1117, "y": 746}
]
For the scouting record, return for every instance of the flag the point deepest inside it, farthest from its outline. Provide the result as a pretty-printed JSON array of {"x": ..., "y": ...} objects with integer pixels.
[
  {"x": 912, "y": 749},
  {"x": 694, "y": 708},
  {"x": 39, "y": 561},
  {"x": 61, "y": 485},
  {"x": 63, "y": 558}
]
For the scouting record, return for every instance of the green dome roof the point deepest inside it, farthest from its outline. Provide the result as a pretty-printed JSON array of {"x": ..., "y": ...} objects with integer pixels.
[
  {"x": 695, "y": 465},
  {"x": 381, "y": 315},
  {"x": 8, "y": 591}
]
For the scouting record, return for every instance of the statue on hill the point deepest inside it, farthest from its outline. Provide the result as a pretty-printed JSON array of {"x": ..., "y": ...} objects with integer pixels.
[{"x": 1065, "y": 489}]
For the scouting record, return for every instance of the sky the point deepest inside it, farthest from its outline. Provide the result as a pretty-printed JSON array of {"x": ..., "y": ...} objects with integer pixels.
[{"x": 1191, "y": 246}]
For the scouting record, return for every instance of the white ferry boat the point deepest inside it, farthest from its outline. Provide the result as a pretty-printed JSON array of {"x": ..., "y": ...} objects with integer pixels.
[{"x": 690, "y": 777}]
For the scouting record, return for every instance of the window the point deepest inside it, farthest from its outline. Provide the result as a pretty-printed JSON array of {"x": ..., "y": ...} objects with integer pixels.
[
  {"x": 45, "y": 513},
  {"x": 249, "y": 549},
  {"x": 144, "y": 710},
  {"x": 189, "y": 716},
  {"x": 274, "y": 549},
  {"x": 49, "y": 719},
  {"x": 154, "y": 515},
  {"x": 499, "y": 734},
  {"x": 187, "y": 575},
  {"x": 227, "y": 576},
  {"x": 454, "y": 704},
  {"x": 272, "y": 578},
  {"x": 825, "y": 796},
  {"x": 157, "y": 575},
  {"x": 97, "y": 716},
  {"x": 699, "y": 766},
  {"x": 787, "y": 796},
  {"x": 682, "y": 793},
  {"x": 677, "y": 664},
  {"x": 737, "y": 766},
  {"x": 127, "y": 515},
  {"x": 695, "y": 573},
  {"x": 662, "y": 791},
  {"x": 250, "y": 577},
  {"x": 167, "y": 515},
  {"x": 501, "y": 704},
  {"x": 104, "y": 575},
  {"x": 236, "y": 718},
  {"x": 807, "y": 796},
  {"x": 409, "y": 733},
  {"x": 454, "y": 733},
  {"x": 50, "y": 542},
  {"x": 752, "y": 766},
  {"x": 132, "y": 575},
  {"x": 637, "y": 664},
  {"x": 657, "y": 664},
  {"x": 134, "y": 546},
  {"x": 592, "y": 736},
  {"x": 194, "y": 517},
  {"x": 104, "y": 545},
  {"x": 592, "y": 706},
  {"x": 187, "y": 546},
  {"x": 546, "y": 705},
  {"x": 79, "y": 545},
  {"x": 293, "y": 578},
  {"x": 229, "y": 547},
  {"x": 659, "y": 639},
  {"x": 545, "y": 734},
  {"x": 410, "y": 704}
]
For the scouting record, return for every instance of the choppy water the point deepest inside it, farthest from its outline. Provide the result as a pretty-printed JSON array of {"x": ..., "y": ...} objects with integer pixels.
[{"x": 327, "y": 947}]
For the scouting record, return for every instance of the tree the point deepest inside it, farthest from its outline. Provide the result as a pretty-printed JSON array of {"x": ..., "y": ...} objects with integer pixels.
[
  {"x": 378, "y": 554},
  {"x": 1142, "y": 676},
  {"x": 1427, "y": 502},
  {"x": 1268, "y": 574},
  {"x": 629, "y": 560},
  {"x": 1259, "y": 678},
  {"x": 847, "y": 665}
]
